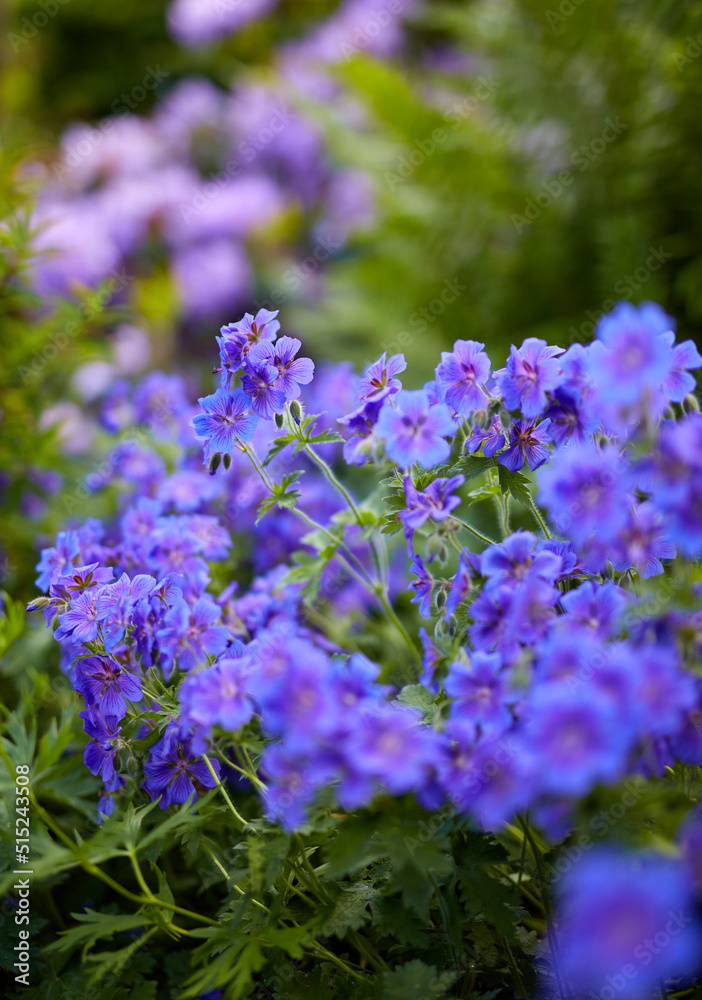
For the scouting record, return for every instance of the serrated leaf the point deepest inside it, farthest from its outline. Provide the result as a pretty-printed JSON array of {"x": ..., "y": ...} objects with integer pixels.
[
  {"x": 474, "y": 465},
  {"x": 266, "y": 856},
  {"x": 278, "y": 445},
  {"x": 92, "y": 926},
  {"x": 350, "y": 910},
  {"x": 416, "y": 981},
  {"x": 417, "y": 696},
  {"x": 514, "y": 483}
]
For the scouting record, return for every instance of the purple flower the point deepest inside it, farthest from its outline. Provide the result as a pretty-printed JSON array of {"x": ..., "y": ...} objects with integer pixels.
[
  {"x": 675, "y": 474},
  {"x": 414, "y": 430},
  {"x": 189, "y": 634},
  {"x": 104, "y": 743},
  {"x": 577, "y": 738},
  {"x": 422, "y": 587},
  {"x": 379, "y": 380},
  {"x": 281, "y": 355},
  {"x": 531, "y": 371},
  {"x": 434, "y": 502},
  {"x": 585, "y": 490},
  {"x": 106, "y": 686},
  {"x": 678, "y": 382},
  {"x": 225, "y": 420},
  {"x": 569, "y": 418},
  {"x": 489, "y": 780},
  {"x": 363, "y": 444},
  {"x": 293, "y": 784},
  {"x": 479, "y": 691},
  {"x": 626, "y": 923},
  {"x": 518, "y": 560},
  {"x": 643, "y": 542},
  {"x": 56, "y": 562},
  {"x": 81, "y": 620},
  {"x": 239, "y": 338},
  {"x": 599, "y": 607},
  {"x": 80, "y": 579},
  {"x": 389, "y": 747},
  {"x": 172, "y": 769},
  {"x": 260, "y": 385},
  {"x": 527, "y": 441},
  {"x": 262, "y": 327},
  {"x": 628, "y": 364},
  {"x": 217, "y": 695},
  {"x": 462, "y": 374},
  {"x": 461, "y": 583},
  {"x": 492, "y": 438}
]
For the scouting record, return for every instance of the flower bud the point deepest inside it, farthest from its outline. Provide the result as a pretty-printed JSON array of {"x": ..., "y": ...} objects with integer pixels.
[
  {"x": 441, "y": 599},
  {"x": 227, "y": 461},
  {"x": 214, "y": 462},
  {"x": 691, "y": 404},
  {"x": 295, "y": 410},
  {"x": 279, "y": 420}
]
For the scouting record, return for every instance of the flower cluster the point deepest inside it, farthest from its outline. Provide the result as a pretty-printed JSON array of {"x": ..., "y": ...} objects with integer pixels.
[{"x": 546, "y": 672}]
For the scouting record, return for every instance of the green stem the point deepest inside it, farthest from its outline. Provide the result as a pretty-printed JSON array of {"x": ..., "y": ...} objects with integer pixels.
[
  {"x": 326, "y": 469},
  {"x": 390, "y": 612},
  {"x": 215, "y": 776},
  {"x": 539, "y": 518},
  {"x": 478, "y": 534}
]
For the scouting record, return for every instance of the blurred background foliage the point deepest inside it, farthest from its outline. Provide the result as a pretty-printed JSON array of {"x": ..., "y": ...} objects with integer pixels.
[{"x": 523, "y": 93}]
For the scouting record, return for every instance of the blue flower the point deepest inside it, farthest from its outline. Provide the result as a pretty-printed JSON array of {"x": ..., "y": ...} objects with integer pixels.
[
  {"x": 619, "y": 913},
  {"x": 531, "y": 371},
  {"x": 225, "y": 420},
  {"x": 292, "y": 372},
  {"x": 172, "y": 770},
  {"x": 414, "y": 430},
  {"x": 260, "y": 383},
  {"x": 461, "y": 375},
  {"x": 436, "y": 501},
  {"x": 529, "y": 441},
  {"x": 106, "y": 686}
]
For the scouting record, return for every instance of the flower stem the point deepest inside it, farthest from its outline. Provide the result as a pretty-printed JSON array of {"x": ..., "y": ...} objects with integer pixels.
[
  {"x": 478, "y": 534},
  {"x": 215, "y": 776}
]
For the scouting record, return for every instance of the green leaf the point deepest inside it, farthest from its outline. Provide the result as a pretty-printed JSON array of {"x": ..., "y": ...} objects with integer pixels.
[
  {"x": 514, "y": 483},
  {"x": 277, "y": 446},
  {"x": 92, "y": 927},
  {"x": 474, "y": 465},
  {"x": 350, "y": 910},
  {"x": 266, "y": 856},
  {"x": 281, "y": 495},
  {"x": 416, "y": 981},
  {"x": 417, "y": 696}
]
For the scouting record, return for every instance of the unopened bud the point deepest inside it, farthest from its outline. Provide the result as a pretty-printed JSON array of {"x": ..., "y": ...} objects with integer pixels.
[
  {"x": 227, "y": 461},
  {"x": 38, "y": 603},
  {"x": 295, "y": 410},
  {"x": 441, "y": 599},
  {"x": 214, "y": 462},
  {"x": 691, "y": 404},
  {"x": 279, "y": 420}
]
